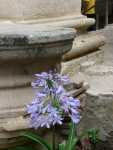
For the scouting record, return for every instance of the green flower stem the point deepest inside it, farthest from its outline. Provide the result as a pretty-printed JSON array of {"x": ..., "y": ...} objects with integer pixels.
[{"x": 53, "y": 138}]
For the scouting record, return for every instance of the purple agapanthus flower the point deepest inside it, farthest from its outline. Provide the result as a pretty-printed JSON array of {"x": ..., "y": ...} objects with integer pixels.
[{"x": 51, "y": 101}]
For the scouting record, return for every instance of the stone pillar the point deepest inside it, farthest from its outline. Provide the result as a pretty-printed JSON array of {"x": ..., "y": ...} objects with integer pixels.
[
  {"x": 50, "y": 12},
  {"x": 21, "y": 10},
  {"x": 24, "y": 51},
  {"x": 54, "y": 13}
]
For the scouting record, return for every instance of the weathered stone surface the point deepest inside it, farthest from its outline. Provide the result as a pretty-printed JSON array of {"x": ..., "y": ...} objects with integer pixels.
[
  {"x": 16, "y": 79},
  {"x": 88, "y": 48},
  {"x": 99, "y": 103},
  {"x": 74, "y": 66},
  {"x": 24, "y": 51},
  {"x": 40, "y": 9},
  {"x": 12, "y": 34},
  {"x": 42, "y": 14},
  {"x": 23, "y": 56},
  {"x": 84, "y": 45},
  {"x": 80, "y": 23},
  {"x": 52, "y": 12},
  {"x": 33, "y": 41},
  {"x": 108, "y": 48}
]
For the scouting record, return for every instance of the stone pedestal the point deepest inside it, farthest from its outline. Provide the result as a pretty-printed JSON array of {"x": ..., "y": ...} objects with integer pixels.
[
  {"x": 25, "y": 50},
  {"x": 54, "y": 13}
]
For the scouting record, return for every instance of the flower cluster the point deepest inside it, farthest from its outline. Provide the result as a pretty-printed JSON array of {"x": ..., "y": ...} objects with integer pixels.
[{"x": 51, "y": 101}]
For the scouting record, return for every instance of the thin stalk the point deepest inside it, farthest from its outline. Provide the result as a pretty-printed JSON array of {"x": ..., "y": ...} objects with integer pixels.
[{"x": 53, "y": 138}]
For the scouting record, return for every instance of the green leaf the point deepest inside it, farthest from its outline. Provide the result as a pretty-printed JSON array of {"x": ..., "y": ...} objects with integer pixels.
[
  {"x": 62, "y": 146},
  {"x": 74, "y": 143},
  {"x": 34, "y": 137},
  {"x": 93, "y": 134},
  {"x": 72, "y": 138}
]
